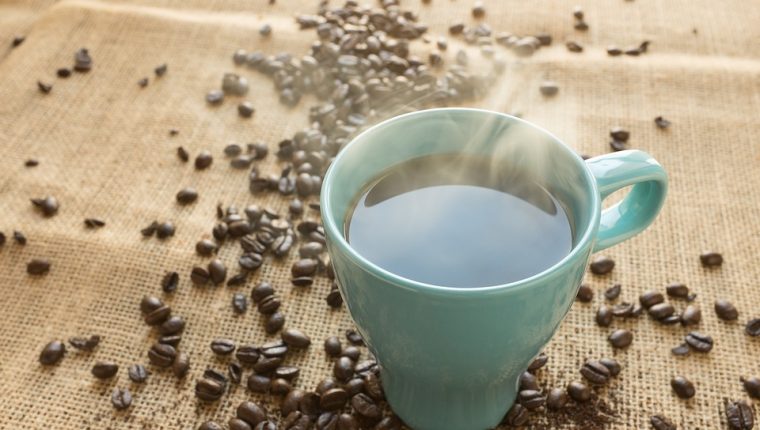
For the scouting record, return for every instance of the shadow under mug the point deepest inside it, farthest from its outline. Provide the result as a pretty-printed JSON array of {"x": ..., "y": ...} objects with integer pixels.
[{"x": 450, "y": 358}]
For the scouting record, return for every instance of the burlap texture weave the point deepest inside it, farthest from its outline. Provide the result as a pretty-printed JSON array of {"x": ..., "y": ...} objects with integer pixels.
[{"x": 105, "y": 152}]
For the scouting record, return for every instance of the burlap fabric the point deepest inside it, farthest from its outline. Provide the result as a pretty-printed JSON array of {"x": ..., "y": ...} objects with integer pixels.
[{"x": 105, "y": 152}]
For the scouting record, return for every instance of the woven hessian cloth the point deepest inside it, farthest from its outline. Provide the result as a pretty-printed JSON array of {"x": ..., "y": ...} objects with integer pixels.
[{"x": 104, "y": 152}]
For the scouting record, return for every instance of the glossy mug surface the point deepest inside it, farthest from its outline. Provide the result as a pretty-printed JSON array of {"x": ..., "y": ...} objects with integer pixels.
[{"x": 450, "y": 358}]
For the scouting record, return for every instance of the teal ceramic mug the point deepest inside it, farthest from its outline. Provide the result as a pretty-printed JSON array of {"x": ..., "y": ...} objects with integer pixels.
[{"x": 450, "y": 358}]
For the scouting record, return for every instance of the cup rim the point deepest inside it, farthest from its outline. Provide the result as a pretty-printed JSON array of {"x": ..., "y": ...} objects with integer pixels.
[{"x": 335, "y": 236}]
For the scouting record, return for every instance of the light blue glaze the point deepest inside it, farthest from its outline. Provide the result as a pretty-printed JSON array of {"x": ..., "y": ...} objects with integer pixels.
[{"x": 451, "y": 357}]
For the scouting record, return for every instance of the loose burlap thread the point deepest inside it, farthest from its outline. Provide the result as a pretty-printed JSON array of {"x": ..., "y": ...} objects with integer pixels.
[{"x": 105, "y": 152}]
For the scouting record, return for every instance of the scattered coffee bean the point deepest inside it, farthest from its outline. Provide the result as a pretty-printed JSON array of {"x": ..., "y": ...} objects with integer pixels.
[
  {"x": 181, "y": 365},
  {"x": 752, "y": 327},
  {"x": 38, "y": 266},
  {"x": 752, "y": 386},
  {"x": 138, "y": 373},
  {"x": 579, "y": 391},
  {"x": 31, "y": 162},
  {"x": 623, "y": 310},
  {"x": 172, "y": 325},
  {"x": 661, "y": 310},
  {"x": 333, "y": 346},
  {"x": 556, "y": 399},
  {"x": 149, "y": 304},
  {"x": 478, "y": 10},
  {"x": 94, "y": 223},
  {"x": 239, "y": 303},
  {"x": 238, "y": 424},
  {"x": 222, "y": 346},
  {"x": 680, "y": 291},
  {"x": 158, "y": 315},
  {"x": 200, "y": 276},
  {"x": 620, "y": 338},
  {"x": 19, "y": 237},
  {"x": 121, "y": 398},
  {"x": 351, "y": 352},
  {"x": 726, "y": 310},
  {"x": 660, "y": 422},
  {"x": 82, "y": 61},
  {"x": 251, "y": 413},
  {"x": 44, "y": 87},
  {"x": 699, "y": 342},
  {"x": 711, "y": 259},
  {"x": 538, "y": 362},
  {"x": 258, "y": 383},
  {"x": 620, "y": 134},
  {"x": 633, "y": 51},
  {"x": 585, "y": 294},
  {"x": 739, "y": 415},
  {"x": 245, "y": 109},
  {"x": 295, "y": 338},
  {"x": 165, "y": 229},
  {"x": 85, "y": 343},
  {"x": 580, "y": 25},
  {"x": 531, "y": 399},
  {"x": 528, "y": 381},
  {"x": 214, "y": 97},
  {"x": 17, "y": 40},
  {"x": 234, "y": 84},
  {"x": 692, "y": 315},
  {"x": 661, "y": 122},
  {"x": 160, "y": 70},
  {"x": 603, "y": 316},
  {"x": 516, "y": 416},
  {"x": 682, "y": 387},
  {"x": 142, "y": 82},
  {"x": 269, "y": 305},
  {"x": 170, "y": 282},
  {"x": 343, "y": 369},
  {"x": 210, "y": 425},
  {"x": 182, "y": 154},
  {"x": 680, "y": 350},
  {"x": 613, "y": 292},
  {"x": 602, "y": 265},
  {"x": 162, "y": 355},
  {"x": 612, "y": 365},
  {"x": 52, "y": 353},
  {"x": 595, "y": 372},
  {"x": 614, "y": 51},
  {"x": 354, "y": 337},
  {"x": 203, "y": 160},
  {"x": 265, "y": 30},
  {"x": 549, "y": 88},
  {"x": 217, "y": 272},
  {"x": 574, "y": 46},
  {"x": 209, "y": 390},
  {"x": 187, "y": 195},
  {"x": 47, "y": 205},
  {"x": 365, "y": 406},
  {"x": 104, "y": 369},
  {"x": 274, "y": 323}
]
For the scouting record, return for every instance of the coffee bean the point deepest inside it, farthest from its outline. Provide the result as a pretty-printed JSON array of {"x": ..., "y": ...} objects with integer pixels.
[
  {"x": 682, "y": 387},
  {"x": 121, "y": 398},
  {"x": 620, "y": 338},
  {"x": 158, "y": 315},
  {"x": 633, "y": 51},
  {"x": 160, "y": 70},
  {"x": 354, "y": 337},
  {"x": 603, "y": 316},
  {"x": 726, "y": 310},
  {"x": 365, "y": 406},
  {"x": 19, "y": 237},
  {"x": 333, "y": 399},
  {"x": 266, "y": 425},
  {"x": 52, "y": 353},
  {"x": 579, "y": 391},
  {"x": 516, "y": 416},
  {"x": 63, "y": 72},
  {"x": 691, "y": 315},
  {"x": 181, "y": 365},
  {"x": 531, "y": 399},
  {"x": 248, "y": 354},
  {"x": 528, "y": 381},
  {"x": 239, "y": 303},
  {"x": 585, "y": 294},
  {"x": 104, "y": 369},
  {"x": 267, "y": 365},
  {"x": 328, "y": 383},
  {"x": 245, "y": 109},
  {"x": 47, "y": 205},
  {"x": 661, "y": 310},
  {"x": 660, "y": 422},
  {"x": 620, "y": 134},
  {"x": 302, "y": 281},
  {"x": 351, "y": 352},
  {"x": 680, "y": 291},
  {"x": 457, "y": 28},
  {"x": 237, "y": 280},
  {"x": 274, "y": 323},
  {"x": 310, "y": 250},
  {"x": 680, "y": 350},
  {"x": 613, "y": 292},
  {"x": 580, "y": 25},
  {"x": 602, "y": 265},
  {"x": 549, "y": 88},
  {"x": 661, "y": 122},
  {"x": 291, "y": 402},
  {"x": 150, "y": 230},
  {"x": 85, "y": 343},
  {"x": 250, "y": 261},
  {"x": 258, "y": 383},
  {"x": 556, "y": 399},
  {"x": 17, "y": 40},
  {"x": 269, "y": 305},
  {"x": 327, "y": 421},
  {"x": 169, "y": 282},
  {"x": 612, "y": 365},
  {"x": 214, "y": 97},
  {"x": 149, "y": 304},
  {"x": 711, "y": 259},
  {"x": 82, "y": 60},
  {"x": 238, "y": 424},
  {"x": 752, "y": 386},
  {"x": 261, "y": 291},
  {"x": 651, "y": 298},
  {"x": 478, "y": 10},
  {"x": 595, "y": 372},
  {"x": 333, "y": 346},
  {"x": 205, "y": 247},
  {"x": 142, "y": 82},
  {"x": 182, "y": 154},
  {"x": 699, "y": 342},
  {"x": 578, "y": 12},
  {"x": 343, "y": 369},
  {"x": 217, "y": 271},
  {"x": 162, "y": 355},
  {"x": 295, "y": 338},
  {"x": 752, "y": 327},
  {"x": 165, "y": 229},
  {"x": 187, "y": 195},
  {"x": 614, "y": 51},
  {"x": 222, "y": 346},
  {"x": 203, "y": 160},
  {"x": 671, "y": 319},
  {"x": 251, "y": 413},
  {"x": 44, "y": 87},
  {"x": 334, "y": 299},
  {"x": 574, "y": 46},
  {"x": 739, "y": 415},
  {"x": 210, "y": 425},
  {"x": 172, "y": 340},
  {"x": 309, "y": 404},
  {"x": 200, "y": 276},
  {"x": 172, "y": 325},
  {"x": 538, "y": 362},
  {"x": 622, "y": 310},
  {"x": 209, "y": 390},
  {"x": 138, "y": 373}
]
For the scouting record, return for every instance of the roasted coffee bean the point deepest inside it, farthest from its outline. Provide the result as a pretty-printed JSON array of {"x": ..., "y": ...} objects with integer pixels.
[
  {"x": 660, "y": 422},
  {"x": 173, "y": 340},
  {"x": 38, "y": 266},
  {"x": 248, "y": 354},
  {"x": 739, "y": 415},
  {"x": 267, "y": 365},
  {"x": 214, "y": 97},
  {"x": 309, "y": 404},
  {"x": 661, "y": 122},
  {"x": 622, "y": 310},
  {"x": 580, "y": 25},
  {"x": 205, "y": 247},
  {"x": 44, "y": 87},
  {"x": 239, "y": 303},
  {"x": 246, "y": 109},
  {"x": 351, "y": 352},
  {"x": 165, "y": 229},
  {"x": 613, "y": 292},
  {"x": 478, "y": 10},
  {"x": 661, "y": 310},
  {"x": 343, "y": 369},
  {"x": 672, "y": 319},
  {"x": 282, "y": 245},
  {"x": 181, "y": 365},
  {"x": 354, "y": 337},
  {"x": 85, "y": 343},
  {"x": 169, "y": 282},
  {"x": 121, "y": 398},
  {"x": 215, "y": 375},
  {"x": 52, "y": 353},
  {"x": 222, "y": 346},
  {"x": 203, "y": 160},
  {"x": 595, "y": 372},
  {"x": 333, "y": 298},
  {"x": 752, "y": 327},
  {"x": 556, "y": 399},
  {"x": 651, "y": 298},
  {"x": 538, "y": 362},
  {"x": 210, "y": 425},
  {"x": 149, "y": 304},
  {"x": 682, "y": 387},
  {"x": 291, "y": 402},
  {"x": 602, "y": 265},
  {"x": 274, "y": 323},
  {"x": 172, "y": 325},
  {"x": 531, "y": 399},
  {"x": 699, "y": 342},
  {"x": 711, "y": 259},
  {"x": 261, "y": 291},
  {"x": 574, "y": 46},
  {"x": 295, "y": 338},
  {"x": 328, "y": 384},
  {"x": 162, "y": 355},
  {"x": 692, "y": 315},
  {"x": 603, "y": 316},
  {"x": 187, "y": 195},
  {"x": 680, "y": 350},
  {"x": 726, "y": 310},
  {"x": 251, "y": 413},
  {"x": 620, "y": 134},
  {"x": 637, "y": 310},
  {"x": 310, "y": 250},
  {"x": 620, "y": 338},
  {"x": 138, "y": 373},
  {"x": 612, "y": 365},
  {"x": 266, "y": 425},
  {"x": 237, "y": 280},
  {"x": 220, "y": 231},
  {"x": 579, "y": 391},
  {"x": 752, "y": 386},
  {"x": 250, "y": 261},
  {"x": 258, "y": 383},
  {"x": 104, "y": 369},
  {"x": 158, "y": 316},
  {"x": 82, "y": 60},
  {"x": 19, "y": 237},
  {"x": 585, "y": 294},
  {"x": 182, "y": 154},
  {"x": 333, "y": 399},
  {"x": 269, "y": 305},
  {"x": 232, "y": 150},
  {"x": 142, "y": 82},
  {"x": 365, "y": 406},
  {"x": 238, "y": 424},
  {"x": 680, "y": 291},
  {"x": 333, "y": 346},
  {"x": 287, "y": 372},
  {"x": 633, "y": 51},
  {"x": 302, "y": 281},
  {"x": 160, "y": 70},
  {"x": 280, "y": 387},
  {"x": 63, "y": 72},
  {"x": 217, "y": 271},
  {"x": 617, "y": 145},
  {"x": 549, "y": 88},
  {"x": 150, "y": 230},
  {"x": 327, "y": 421},
  {"x": 209, "y": 390},
  {"x": 304, "y": 267},
  {"x": 200, "y": 276},
  {"x": 235, "y": 372},
  {"x": 516, "y": 416},
  {"x": 528, "y": 381}
]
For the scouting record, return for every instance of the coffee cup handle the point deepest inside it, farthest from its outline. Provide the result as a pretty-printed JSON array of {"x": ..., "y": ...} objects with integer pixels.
[{"x": 640, "y": 206}]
